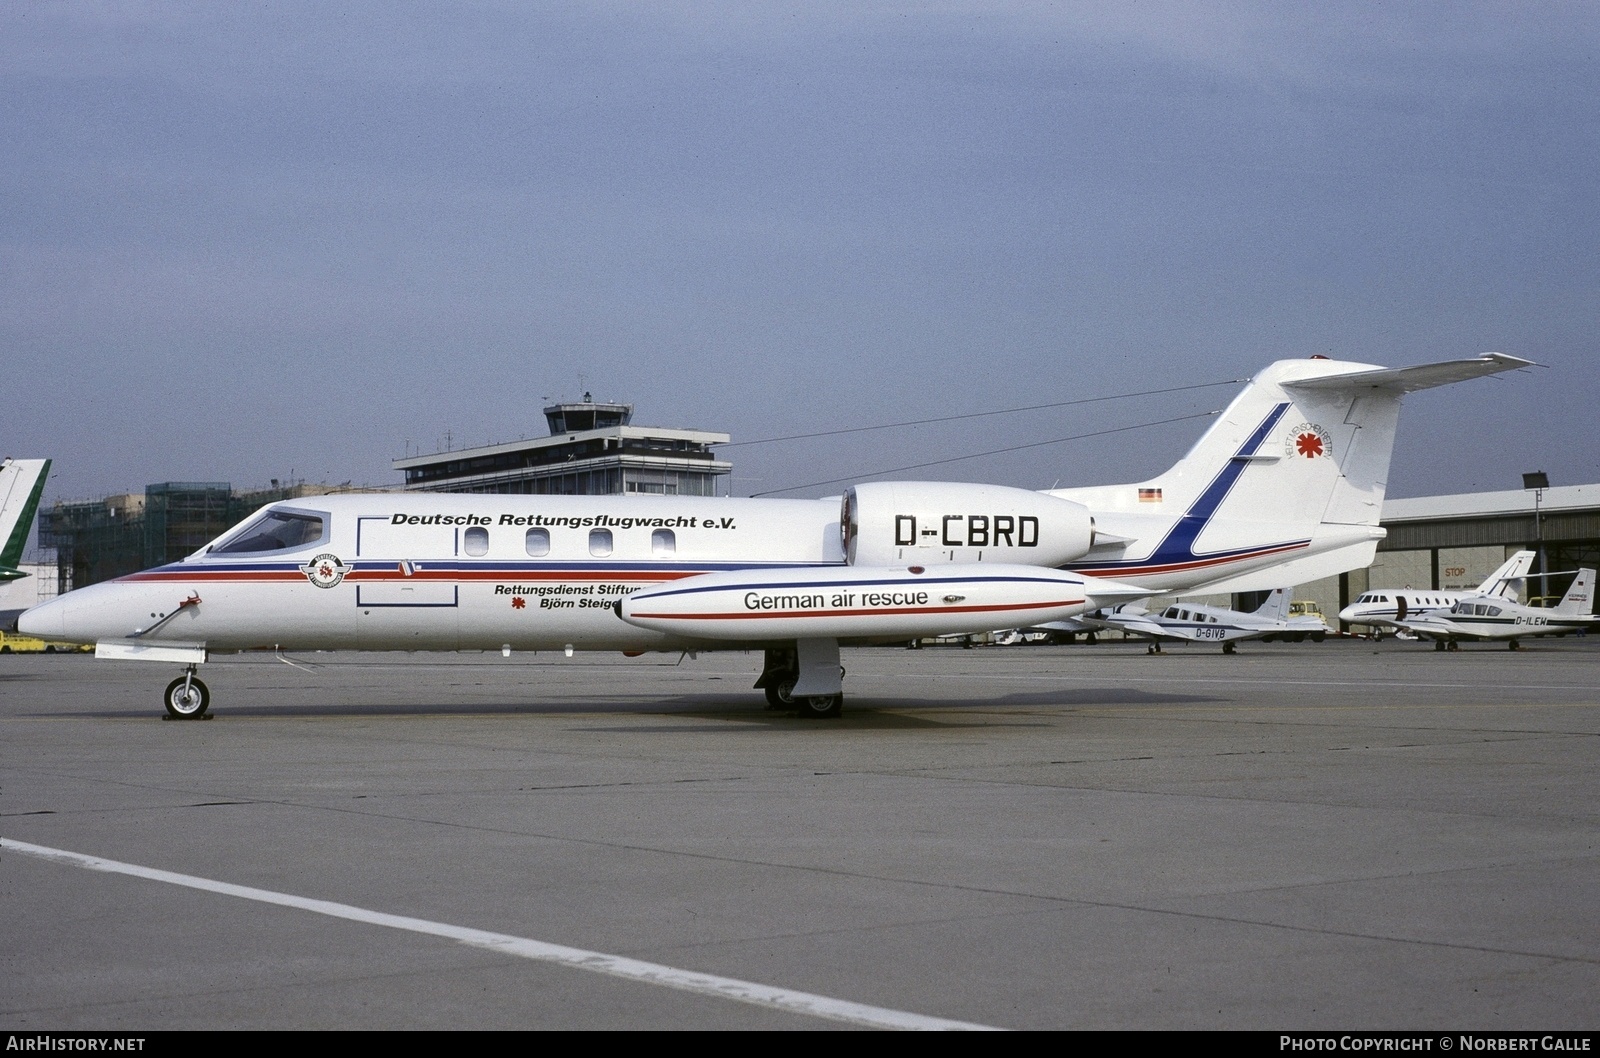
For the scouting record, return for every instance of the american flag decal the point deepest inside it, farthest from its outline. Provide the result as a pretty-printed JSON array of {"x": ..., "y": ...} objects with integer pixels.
[{"x": 1149, "y": 495}]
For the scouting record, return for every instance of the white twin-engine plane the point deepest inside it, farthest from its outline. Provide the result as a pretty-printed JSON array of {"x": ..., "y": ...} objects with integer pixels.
[{"x": 1285, "y": 487}]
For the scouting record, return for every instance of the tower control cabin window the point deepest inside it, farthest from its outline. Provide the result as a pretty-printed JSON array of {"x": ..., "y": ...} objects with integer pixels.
[
  {"x": 600, "y": 542},
  {"x": 663, "y": 542},
  {"x": 537, "y": 543},
  {"x": 476, "y": 541}
]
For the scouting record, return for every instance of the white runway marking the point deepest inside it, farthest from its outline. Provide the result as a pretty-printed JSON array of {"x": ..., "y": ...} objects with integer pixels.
[{"x": 577, "y": 958}]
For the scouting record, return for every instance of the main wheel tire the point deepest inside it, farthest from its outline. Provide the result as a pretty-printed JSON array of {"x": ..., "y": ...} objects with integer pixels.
[
  {"x": 818, "y": 706},
  {"x": 186, "y": 702},
  {"x": 775, "y": 698}
]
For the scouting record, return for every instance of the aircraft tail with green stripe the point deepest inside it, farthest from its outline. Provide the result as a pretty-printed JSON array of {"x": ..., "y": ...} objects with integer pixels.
[{"x": 21, "y": 485}]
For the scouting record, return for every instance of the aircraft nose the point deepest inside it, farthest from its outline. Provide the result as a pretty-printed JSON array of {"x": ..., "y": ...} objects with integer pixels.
[
  {"x": 47, "y": 620},
  {"x": 1347, "y": 614}
]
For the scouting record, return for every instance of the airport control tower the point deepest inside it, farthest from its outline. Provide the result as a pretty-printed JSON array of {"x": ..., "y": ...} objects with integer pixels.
[{"x": 593, "y": 450}]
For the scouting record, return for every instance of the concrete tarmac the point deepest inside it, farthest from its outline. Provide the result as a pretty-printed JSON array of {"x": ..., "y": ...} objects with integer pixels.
[{"x": 1344, "y": 835}]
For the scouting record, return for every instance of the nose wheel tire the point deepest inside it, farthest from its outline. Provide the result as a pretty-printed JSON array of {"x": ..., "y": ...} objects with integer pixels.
[{"x": 186, "y": 698}]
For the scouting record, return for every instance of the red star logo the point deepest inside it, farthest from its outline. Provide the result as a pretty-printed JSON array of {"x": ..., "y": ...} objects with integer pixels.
[
  {"x": 518, "y": 603},
  {"x": 1309, "y": 445},
  {"x": 324, "y": 570}
]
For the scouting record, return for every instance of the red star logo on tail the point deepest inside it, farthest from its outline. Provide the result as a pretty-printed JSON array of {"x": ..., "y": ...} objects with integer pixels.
[{"x": 1309, "y": 445}]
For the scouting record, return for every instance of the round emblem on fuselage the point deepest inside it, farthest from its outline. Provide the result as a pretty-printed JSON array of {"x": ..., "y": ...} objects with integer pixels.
[
  {"x": 325, "y": 571},
  {"x": 1309, "y": 441}
]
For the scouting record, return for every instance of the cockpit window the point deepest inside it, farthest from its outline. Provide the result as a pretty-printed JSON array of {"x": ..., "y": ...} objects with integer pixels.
[{"x": 276, "y": 530}]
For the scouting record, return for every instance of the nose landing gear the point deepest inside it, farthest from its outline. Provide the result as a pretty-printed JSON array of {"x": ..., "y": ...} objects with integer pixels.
[{"x": 186, "y": 697}]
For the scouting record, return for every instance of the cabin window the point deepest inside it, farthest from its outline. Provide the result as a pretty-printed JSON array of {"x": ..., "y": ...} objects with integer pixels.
[
  {"x": 476, "y": 541},
  {"x": 663, "y": 542},
  {"x": 276, "y": 530},
  {"x": 537, "y": 542},
  {"x": 600, "y": 542}
]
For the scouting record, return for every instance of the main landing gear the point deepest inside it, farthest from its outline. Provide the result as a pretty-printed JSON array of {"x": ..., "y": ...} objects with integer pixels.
[
  {"x": 805, "y": 678},
  {"x": 805, "y": 706},
  {"x": 187, "y": 698}
]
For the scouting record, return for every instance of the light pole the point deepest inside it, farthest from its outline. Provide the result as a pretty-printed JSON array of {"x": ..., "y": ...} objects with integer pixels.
[{"x": 1536, "y": 483}]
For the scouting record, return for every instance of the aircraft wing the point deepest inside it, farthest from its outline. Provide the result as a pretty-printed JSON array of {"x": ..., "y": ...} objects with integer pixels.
[
  {"x": 1139, "y": 625},
  {"x": 1432, "y": 629},
  {"x": 1424, "y": 376},
  {"x": 1104, "y": 594},
  {"x": 1071, "y": 625}
]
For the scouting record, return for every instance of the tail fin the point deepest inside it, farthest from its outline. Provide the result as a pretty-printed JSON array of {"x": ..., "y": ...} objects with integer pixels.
[
  {"x": 21, "y": 484},
  {"x": 1316, "y": 436},
  {"x": 1507, "y": 580},
  {"x": 1276, "y": 607},
  {"x": 1296, "y": 466},
  {"x": 1579, "y": 599}
]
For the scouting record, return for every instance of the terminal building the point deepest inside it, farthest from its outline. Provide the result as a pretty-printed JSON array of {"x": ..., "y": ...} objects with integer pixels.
[{"x": 593, "y": 450}]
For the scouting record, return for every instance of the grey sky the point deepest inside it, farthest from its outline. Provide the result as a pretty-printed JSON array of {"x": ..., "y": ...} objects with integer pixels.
[{"x": 244, "y": 240}]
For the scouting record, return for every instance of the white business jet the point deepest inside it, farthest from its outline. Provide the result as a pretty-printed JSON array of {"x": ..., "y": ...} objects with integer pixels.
[
  {"x": 1286, "y": 486},
  {"x": 1185, "y": 622},
  {"x": 1491, "y": 617},
  {"x": 1392, "y": 607}
]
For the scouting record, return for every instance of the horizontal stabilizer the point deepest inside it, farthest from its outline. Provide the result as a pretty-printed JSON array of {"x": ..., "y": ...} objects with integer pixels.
[{"x": 1411, "y": 379}]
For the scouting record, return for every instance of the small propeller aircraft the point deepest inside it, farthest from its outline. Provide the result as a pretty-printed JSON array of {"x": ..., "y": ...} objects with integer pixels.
[
  {"x": 1285, "y": 486},
  {"x": 1199, "y": 623},
  {"x": 1494, "y": 617}
]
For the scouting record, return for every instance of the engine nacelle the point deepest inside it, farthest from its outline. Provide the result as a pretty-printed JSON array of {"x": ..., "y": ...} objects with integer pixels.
[{"x": 892, "y": 523}]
